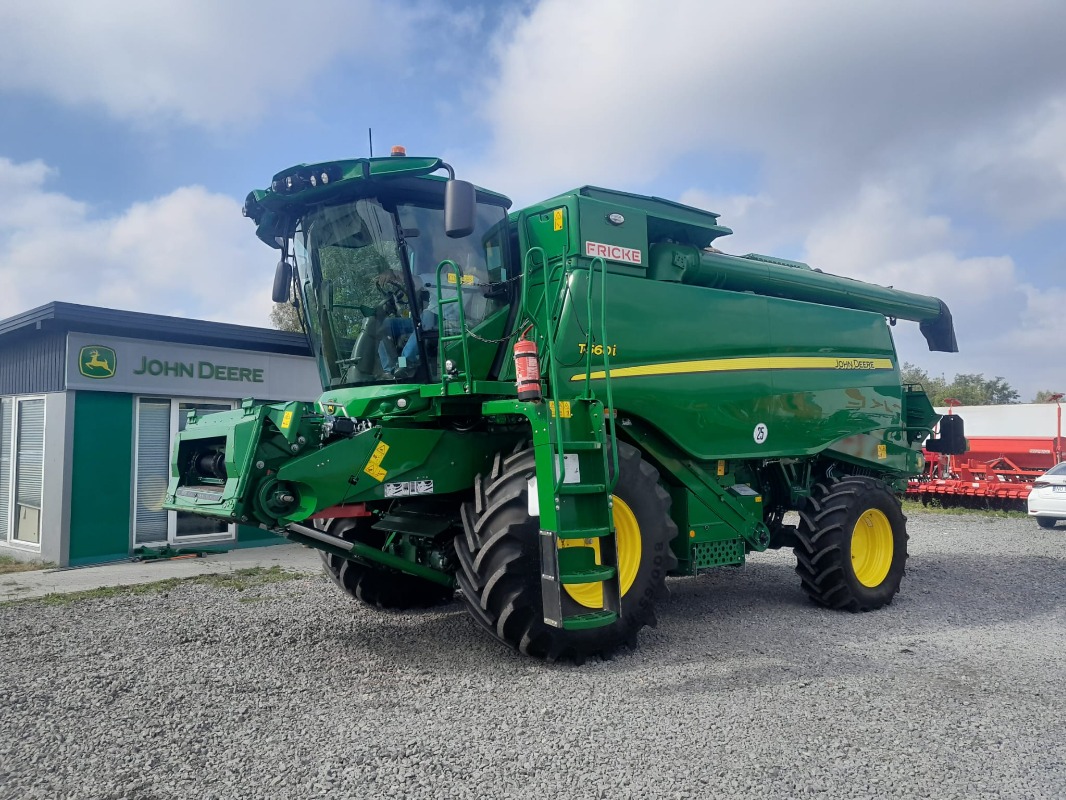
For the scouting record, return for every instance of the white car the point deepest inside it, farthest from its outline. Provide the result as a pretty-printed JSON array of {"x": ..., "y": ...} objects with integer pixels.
[{"x": 1047, "y": 501}]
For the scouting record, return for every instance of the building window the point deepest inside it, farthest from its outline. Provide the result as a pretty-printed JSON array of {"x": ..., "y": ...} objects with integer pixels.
[
  {"x": 21, "y": 469},
  {"x": 158, "y": 422},
  {"x": 153, "y": 471},
  {"x": 7, "y": 406}
]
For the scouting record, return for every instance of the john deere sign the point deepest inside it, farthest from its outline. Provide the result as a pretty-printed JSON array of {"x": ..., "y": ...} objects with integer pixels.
[
  {"x": 200, "y": 369},
  {"x": 97, "y": 361},
  {"x": 138, "y": 366}
]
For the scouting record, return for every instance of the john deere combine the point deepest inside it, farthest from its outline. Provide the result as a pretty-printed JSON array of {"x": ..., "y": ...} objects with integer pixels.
[{"x": 552, "y": 410}]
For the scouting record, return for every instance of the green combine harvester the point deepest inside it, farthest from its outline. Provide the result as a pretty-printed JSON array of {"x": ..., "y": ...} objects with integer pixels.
[{"x": 553, "y": 410}]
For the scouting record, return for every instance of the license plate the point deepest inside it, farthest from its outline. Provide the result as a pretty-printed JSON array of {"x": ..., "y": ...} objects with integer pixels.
[{"x": 1058, "y": 489}]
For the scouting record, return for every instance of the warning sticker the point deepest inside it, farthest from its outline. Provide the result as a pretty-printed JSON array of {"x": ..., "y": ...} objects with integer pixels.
[
  {"x": 613, "y": 252},
  {"x": 373, "y": 466},
  {"x": 286, "y": 420},
  {"x": 408, "y": 488},
  {"x": 565, "y": 411}
]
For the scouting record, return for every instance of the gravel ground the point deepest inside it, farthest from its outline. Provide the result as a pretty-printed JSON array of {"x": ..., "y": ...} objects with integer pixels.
[{"x": 744, "y": 689}]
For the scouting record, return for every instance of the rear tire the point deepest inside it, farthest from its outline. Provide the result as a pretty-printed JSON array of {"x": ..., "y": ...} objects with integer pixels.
[
  {"x": 499, "y": 573},
  {"x": 1046, "y": 522},
  {"x": 375, "y": 586},
  {"x": 852, "y": 549}
]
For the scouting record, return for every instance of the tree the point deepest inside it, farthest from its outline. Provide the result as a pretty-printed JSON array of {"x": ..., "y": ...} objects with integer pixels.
[
  {"x": 970, "y": 389},
  {"x": 284, "y": 317},
  {"x": 974, "y": 389},
  {"x": 911, "y": 373},
  {"x": 1045, "y": 395}
]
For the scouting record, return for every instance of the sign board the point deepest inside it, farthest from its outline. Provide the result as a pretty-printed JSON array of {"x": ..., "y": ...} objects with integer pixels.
[{"x": 139, "y": 366}]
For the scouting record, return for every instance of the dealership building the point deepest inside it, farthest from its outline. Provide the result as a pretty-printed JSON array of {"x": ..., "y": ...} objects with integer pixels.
[{"x": 91, "y": 400}]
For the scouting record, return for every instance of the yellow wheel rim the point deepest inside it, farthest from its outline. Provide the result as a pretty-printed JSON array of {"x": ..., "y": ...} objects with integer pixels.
[
  {"x": 627, "y": 537},
  {"x": 871, "y": 548}
]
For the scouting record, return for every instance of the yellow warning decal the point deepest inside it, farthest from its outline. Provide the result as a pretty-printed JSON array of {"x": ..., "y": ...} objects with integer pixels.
[
  {"x": 286, "y": 420},
  {"x": 721, "y": 468},
  {"x": 373, "y": 466},
  {"x": 557, "y": 219},
  {"x": 882, "y": 451},
  {"x": 468, "y": 280},
  {"x": 565, "y": 411}
]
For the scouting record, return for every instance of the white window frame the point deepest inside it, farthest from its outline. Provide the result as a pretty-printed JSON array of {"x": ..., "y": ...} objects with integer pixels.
[
  {"x": 8, "y": 540},
  {"x": 16, "y": 410},
  {"x": 230, "y": 534}
]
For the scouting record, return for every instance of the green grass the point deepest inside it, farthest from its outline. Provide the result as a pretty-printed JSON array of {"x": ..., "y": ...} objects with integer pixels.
[
  {"x": 9, "y": 565},
  {"x": 934, "y": 507},
  {"x": 240, "y": 580}
]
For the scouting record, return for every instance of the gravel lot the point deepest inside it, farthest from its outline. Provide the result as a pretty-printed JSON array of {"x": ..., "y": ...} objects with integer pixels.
[{"x": 744, "y": 689}]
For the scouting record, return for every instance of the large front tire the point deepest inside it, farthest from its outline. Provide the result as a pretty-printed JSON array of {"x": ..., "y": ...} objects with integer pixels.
[
  {"x": 499, "y": 574},
  {"x": 379, "y": 587},
  {"x": 852, "y": 549}
]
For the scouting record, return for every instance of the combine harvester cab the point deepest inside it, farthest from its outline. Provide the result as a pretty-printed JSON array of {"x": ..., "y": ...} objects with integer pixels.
[{"x": 552, "y": 410}]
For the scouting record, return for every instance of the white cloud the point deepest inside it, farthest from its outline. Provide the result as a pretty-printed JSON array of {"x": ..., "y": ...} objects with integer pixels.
[
  {"x": 1018, "y": 171},
  {"x": 201, "y": 62},
  {"x": 818, "y": 92},
  {"x": 1003, "y": 323},
  {"x": 189, "y": 253}
]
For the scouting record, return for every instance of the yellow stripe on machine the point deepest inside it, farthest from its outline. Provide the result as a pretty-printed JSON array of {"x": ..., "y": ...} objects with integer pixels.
[{"x": 743, "y": 364}]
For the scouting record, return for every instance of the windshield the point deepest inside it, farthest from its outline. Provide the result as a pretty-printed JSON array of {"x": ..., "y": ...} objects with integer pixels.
[{"x": 368, "y": 279}]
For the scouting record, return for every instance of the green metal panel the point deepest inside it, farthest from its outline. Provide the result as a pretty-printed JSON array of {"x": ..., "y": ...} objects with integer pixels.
[
  {"x": 629, "y": 233},
  {"x": 103, "y": 446},
  {"x": 720, "y": 364},
  {"x": 716, "y": 554}
]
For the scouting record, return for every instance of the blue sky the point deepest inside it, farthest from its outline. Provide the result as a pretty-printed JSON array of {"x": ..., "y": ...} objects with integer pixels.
[{"x": 907, "y": 143}]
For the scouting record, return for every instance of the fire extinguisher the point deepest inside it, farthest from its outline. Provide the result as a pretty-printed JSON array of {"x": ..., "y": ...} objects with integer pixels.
[{"x": 526, "y": 368}]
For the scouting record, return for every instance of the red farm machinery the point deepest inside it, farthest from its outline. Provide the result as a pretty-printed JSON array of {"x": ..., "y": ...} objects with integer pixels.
[{"x": 1009, "y": 447}]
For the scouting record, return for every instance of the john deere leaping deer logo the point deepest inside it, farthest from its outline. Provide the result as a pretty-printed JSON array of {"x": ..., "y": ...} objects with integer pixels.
[{"x": 97, "y": 361}]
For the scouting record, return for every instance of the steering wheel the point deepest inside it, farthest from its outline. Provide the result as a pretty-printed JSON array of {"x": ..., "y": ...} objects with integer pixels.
[{"x": 395, "y": 294}]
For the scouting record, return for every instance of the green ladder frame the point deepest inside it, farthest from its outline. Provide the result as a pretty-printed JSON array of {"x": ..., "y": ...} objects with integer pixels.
[{"x": 579, "y": 429}]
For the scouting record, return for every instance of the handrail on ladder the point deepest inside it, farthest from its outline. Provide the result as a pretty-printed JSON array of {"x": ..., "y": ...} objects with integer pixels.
[{"x": 461, "y": 336}]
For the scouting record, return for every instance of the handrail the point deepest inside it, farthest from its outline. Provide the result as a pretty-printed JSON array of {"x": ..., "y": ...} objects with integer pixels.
[
  {"x": 609, "y": 409},
  {"x": 527, "y": 262},
  {"x": 555, "y": 428},
  {"x": 461, "y": 336}
]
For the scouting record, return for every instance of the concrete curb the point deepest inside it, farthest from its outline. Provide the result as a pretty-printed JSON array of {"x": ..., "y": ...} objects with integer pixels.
[{"x": 29, "y": 585}]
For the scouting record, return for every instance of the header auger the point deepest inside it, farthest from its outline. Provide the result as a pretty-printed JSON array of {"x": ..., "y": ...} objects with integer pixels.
[{"x": 673, "y": 404}]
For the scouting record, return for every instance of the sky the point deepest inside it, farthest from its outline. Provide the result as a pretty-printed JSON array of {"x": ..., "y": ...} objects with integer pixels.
[{"x": 913, "y": 144}]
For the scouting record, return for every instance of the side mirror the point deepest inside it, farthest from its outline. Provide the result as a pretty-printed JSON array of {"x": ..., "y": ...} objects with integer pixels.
[
  {"x": 460, "y": 208},
  {"x": 952, "y": 438},
  {"x": 282, "y": 282}
]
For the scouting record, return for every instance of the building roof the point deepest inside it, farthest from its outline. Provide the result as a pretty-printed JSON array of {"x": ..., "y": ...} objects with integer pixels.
[{"x": 65, "y": 317}]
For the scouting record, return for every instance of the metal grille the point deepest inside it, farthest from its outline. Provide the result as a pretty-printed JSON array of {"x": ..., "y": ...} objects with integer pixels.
[
  {"x": 716, "y": 554},
  {"x": 5, "y": 468},
  {"x": 153, "y": 471}
]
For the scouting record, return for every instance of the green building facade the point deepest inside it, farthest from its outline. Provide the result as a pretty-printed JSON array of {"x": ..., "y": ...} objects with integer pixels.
[{"x": 90, "y": 402}]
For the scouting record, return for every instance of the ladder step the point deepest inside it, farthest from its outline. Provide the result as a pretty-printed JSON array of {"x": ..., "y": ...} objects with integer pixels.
[
  {"x": 583, "y": 533},
  {"x": 582, "y": 488},
  {"x": 589, "y": 575},
  {"x": 594, "y": 619}
]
